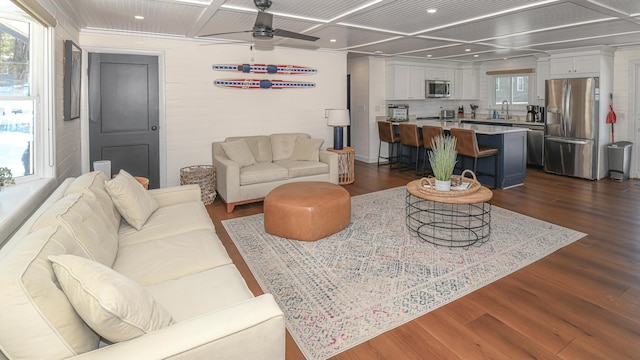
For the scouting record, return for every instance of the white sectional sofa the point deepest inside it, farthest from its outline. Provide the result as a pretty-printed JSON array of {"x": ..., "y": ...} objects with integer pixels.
[
  {"x": 249, "y": 167},
  {"x": 77, "y": 281}
]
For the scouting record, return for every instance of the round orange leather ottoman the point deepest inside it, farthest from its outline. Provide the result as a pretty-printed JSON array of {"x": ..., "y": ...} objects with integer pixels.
[{"x": 307, "y": 210}]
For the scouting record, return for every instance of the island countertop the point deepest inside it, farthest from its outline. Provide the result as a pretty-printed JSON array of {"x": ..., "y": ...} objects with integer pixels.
[{"x": 479, "y": 128}]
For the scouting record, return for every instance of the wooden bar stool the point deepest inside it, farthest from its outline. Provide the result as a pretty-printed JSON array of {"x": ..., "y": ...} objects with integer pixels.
[
  {"x": 428, "y": 134},
  {"x": 410, "y": 137},
  {"x": 467, "y": 146},
  {"x": 386, "y": 134}
]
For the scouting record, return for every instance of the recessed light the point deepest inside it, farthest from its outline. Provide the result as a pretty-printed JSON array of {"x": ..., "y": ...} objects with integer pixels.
[
  {"x": 432, "y": 11},
  {"x": 476, "y": 55},
  {"x": 467, "y": 50},
  {"x": 429, "y": 55},
  {"x": 333, "y": 40},
  {"x": 378, "y": 52},
  {"x": 139, "y": 17}
]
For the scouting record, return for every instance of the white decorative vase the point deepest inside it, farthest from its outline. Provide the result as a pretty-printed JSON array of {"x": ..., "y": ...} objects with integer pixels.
[{"x": 443, "y": 185}]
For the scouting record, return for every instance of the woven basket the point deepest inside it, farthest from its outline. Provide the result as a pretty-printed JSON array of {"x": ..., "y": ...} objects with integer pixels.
[
  {"x": 427, "y": 186},
  {"x": 203, "y": 175}
]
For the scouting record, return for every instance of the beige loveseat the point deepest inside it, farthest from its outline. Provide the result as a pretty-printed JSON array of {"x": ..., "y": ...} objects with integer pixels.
[
  {"x": 249, "y": 167},
  {"x": 169, "y": 290}
]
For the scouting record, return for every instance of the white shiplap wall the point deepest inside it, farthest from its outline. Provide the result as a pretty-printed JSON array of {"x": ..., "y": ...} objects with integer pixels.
[
  {"x": 198, "y": 113},
  {"x": 67, "y": 133},
  {"x": 624, "y": 102}
]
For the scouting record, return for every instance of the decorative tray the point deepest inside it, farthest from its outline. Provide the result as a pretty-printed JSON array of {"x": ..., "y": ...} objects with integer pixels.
[{"x": 467, "y": 187}]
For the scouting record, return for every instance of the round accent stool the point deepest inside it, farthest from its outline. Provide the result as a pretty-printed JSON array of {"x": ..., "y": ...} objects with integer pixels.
[{"x": 307, "y": 211}]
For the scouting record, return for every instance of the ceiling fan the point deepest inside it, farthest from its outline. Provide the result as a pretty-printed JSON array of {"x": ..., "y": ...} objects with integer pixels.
[{"x": 263, "y": 27}]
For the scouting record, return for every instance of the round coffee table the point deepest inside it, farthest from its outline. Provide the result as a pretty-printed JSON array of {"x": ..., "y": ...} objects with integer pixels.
[{"x": 453, "y": 221}]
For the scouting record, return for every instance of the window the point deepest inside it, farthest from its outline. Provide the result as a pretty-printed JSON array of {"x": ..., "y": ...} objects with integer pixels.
[
  {"x": 513, "y": 88},
  {"x": 22, "y": 80}
]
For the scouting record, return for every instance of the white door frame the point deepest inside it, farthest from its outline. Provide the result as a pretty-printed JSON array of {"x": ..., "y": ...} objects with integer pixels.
[{"x": 634, "y": 116}]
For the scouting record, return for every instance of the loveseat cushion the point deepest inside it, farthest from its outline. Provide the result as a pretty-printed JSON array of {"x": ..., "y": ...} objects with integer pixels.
[
  {"x": 114, "y": 306},
  {"x": 262, "y": 173},
  {"x": 81, "y": 215},
  {"x": 92, "y": 183},
  {"x": 37, "y": 320},
  {"x": 297, "y": 168},
  {"x": 260, "y": 146},
  {"x": 172, "y": 257},
  {"x": 167, "y": 221},
  {"x": 239, "y": 152},
  {"x": 282, "y": 145},
  {"x": 306, "y": 149},
  {"x": 133, "y": 201}
]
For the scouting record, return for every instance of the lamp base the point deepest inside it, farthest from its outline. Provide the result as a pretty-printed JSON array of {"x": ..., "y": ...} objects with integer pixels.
[{"x": 337, "y": 138}]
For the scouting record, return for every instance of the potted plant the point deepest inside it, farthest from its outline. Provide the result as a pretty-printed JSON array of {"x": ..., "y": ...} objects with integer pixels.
[
  {"x": 6, "y": 177},
  {"x": 442, "y": 158}
]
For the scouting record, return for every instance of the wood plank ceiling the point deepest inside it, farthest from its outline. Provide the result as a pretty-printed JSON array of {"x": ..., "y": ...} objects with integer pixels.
[{"x": 459, "y": 30}]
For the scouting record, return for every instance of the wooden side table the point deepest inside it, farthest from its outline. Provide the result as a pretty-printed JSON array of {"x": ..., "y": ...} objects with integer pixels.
[{"x": 345, "y": 165}]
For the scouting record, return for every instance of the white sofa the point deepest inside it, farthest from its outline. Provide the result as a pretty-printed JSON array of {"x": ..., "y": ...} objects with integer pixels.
[
  {"x": 175, "y": 259},
  {"x": 252, "y": 166}
]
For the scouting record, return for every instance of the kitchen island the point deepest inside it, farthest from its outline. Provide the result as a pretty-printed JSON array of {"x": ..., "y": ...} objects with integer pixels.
[{"x": 511, "y": 143}]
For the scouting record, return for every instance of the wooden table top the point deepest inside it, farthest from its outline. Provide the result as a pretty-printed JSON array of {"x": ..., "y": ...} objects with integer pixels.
[{"x": 482, "y": 195}]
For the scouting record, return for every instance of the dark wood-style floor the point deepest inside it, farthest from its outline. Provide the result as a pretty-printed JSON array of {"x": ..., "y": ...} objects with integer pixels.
[{"x": 581, "y": 302}]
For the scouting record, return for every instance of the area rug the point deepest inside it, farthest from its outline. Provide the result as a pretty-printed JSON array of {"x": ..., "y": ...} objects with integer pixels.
[{"x": 374, "y": 275}]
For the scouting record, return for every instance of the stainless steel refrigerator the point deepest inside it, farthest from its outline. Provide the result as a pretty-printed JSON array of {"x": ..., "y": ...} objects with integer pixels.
[{"x": 571, "y": 127}]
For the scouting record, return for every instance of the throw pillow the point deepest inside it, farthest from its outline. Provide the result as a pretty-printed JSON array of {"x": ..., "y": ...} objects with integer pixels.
[
  {"x": 114, "y": 306},
  {"x": 239, "y": 152},
  {"x": 307, "y": 149},
  {"x": 134, "y": 203}
]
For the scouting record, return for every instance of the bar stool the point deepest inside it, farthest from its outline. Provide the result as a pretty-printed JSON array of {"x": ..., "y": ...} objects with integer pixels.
[
  {"x": 409, "y": 137},
  {"x": 386, "y": 134},
  {"x": 428, "y": 134},
  {"x": 467, "y": 146}
]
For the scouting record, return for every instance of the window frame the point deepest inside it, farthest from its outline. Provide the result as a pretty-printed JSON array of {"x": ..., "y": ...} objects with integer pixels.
[
  {"x": 41, "y": 93},
  {"x": 512, "y": 107}
]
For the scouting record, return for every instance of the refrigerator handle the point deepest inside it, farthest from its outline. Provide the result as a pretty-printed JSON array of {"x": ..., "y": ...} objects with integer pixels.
[{"x": 568, "y": 108}]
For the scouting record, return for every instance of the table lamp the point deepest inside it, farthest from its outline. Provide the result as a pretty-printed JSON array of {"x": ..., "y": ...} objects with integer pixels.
[{"x": 338, "y": 118}]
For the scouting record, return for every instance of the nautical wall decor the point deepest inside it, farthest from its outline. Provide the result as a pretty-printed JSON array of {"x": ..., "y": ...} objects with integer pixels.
[
  {"x": 267, "y": 69},
  {"x": 262, "y": 84}
]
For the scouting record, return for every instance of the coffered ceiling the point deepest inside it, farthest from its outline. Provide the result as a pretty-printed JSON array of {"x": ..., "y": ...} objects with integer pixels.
[{"x": 459, "y": 30}]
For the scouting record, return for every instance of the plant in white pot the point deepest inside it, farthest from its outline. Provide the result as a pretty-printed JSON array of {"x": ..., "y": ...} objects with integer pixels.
[
  {"x": 442, "y": 158},
  {"x": 6, "y": 177}
]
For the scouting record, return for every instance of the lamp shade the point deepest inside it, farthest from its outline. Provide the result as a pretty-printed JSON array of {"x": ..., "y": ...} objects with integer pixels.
[{"x": 338, "y": 117}]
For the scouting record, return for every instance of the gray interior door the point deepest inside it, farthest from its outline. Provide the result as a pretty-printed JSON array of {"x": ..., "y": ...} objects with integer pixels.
[{"x": 124, "y": 113}]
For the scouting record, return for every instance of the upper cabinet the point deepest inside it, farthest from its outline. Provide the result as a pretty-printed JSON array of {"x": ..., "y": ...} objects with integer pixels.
[
  {"x": 542, "y": 74},
  {"x": 405, "y": 82},
  {"x": 439, "y": 74},
  {"x": 574, "y": 65},
  {"x": 465, "y": 84}
]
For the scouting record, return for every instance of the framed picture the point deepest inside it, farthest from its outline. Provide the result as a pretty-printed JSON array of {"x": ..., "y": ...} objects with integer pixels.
[{"x": 72, "y": 68}]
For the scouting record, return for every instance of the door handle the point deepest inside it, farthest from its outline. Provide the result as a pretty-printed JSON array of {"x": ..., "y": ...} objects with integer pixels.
[{"x": 154, "y": 128}]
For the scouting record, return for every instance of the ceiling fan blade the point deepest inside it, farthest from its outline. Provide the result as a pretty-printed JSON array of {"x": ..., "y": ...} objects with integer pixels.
[
  {"x": 226, "y": 33},
  {"x": 293, "y": 35},
  {"x": 264, "y": 20}
]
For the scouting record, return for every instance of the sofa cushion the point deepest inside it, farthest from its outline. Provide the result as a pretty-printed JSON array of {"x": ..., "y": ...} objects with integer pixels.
[
  {"x": 92, "y": 183},
  {"x": 239, "y": 152},
  {"x": 297, "y": 168},
  {"x": 202, "y": 292},
  {"x": 172, "y": 257},
  {"x": 134, "y": 203},
  {"x": 306, "y": 149},
  {"x": 114, "y": 306},
  {"x": 168, "y": 221},
  {"x": 261, "y": 173},
  {"x": 81, "y": 215},
  {"x": 282, "y": 145},
  {"x": 260, "y": 146},
  {"x": 38, "y": 321}
]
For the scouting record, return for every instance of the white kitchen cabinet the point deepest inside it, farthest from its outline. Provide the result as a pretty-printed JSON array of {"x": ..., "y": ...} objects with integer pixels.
[
  {"x": 404, "y": 82},
  {"x": 542, "y": 74},
  {"x": 574, "y": 65},
  {"x": 465, "y": 84},
  {"x": 439, "y": 74}
]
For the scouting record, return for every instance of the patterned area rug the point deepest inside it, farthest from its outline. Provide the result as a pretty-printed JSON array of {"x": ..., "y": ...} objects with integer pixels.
[{"x": 374, "y": 276}]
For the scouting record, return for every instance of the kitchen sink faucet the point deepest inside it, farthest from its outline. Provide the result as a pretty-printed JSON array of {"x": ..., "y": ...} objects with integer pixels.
[{"x": 502, "y": 109}]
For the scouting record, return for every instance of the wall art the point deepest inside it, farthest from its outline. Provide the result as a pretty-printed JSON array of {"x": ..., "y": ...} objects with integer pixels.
[
  {"x": 267, "y": 69},
  {"x": 72, "y": 68},
  {"x": 262, "y": 84}
]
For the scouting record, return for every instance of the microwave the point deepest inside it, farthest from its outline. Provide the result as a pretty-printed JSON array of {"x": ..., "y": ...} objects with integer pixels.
[{"x": 437, "y": 88}]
